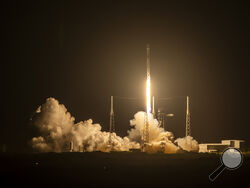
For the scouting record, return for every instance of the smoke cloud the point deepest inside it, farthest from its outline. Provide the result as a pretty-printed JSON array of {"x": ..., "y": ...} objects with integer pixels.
[
  {"x": 58, "y": 129},
  {"x": 188, "y": 143},
  {"x": 160, "y": 140}
]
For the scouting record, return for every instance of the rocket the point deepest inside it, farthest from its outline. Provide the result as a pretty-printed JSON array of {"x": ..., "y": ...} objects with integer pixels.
[
  {"x": 145, "y": 135},
  {"x": 148, "y": 61},
  {"x": 148, "y": 95}
]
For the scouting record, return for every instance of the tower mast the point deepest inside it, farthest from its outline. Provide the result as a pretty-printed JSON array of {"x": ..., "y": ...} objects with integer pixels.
[
  {"x": 111, "y": 121},
  {"x": 153, "y": 106},
  {"x": 188, "y": 124}
]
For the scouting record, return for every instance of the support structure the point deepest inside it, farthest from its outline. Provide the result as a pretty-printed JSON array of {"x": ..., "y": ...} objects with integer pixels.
[
  {"x": 163, "y": 144},
  {"x": 111, "y": 122},
  {"x": 161, "y": 118},
  {"x": 71, "y": 146},
  {"x": 145, "y": 135},
  {"x": 153, "y": 106},
  {"x": 188, "y": 124}
]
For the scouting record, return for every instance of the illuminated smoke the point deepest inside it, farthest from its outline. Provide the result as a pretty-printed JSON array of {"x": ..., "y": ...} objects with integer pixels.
[
  {"x": 160, "y": 140},
  {"x": 187, "y": 143},
  {"x": 58, "y": 129}
]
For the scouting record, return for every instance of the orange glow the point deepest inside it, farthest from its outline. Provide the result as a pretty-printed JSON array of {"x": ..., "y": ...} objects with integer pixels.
[{"x": 148, "y": 95}]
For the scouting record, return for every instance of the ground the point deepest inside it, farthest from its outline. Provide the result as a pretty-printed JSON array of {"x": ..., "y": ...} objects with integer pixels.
[{"x": 117, "y": 169}]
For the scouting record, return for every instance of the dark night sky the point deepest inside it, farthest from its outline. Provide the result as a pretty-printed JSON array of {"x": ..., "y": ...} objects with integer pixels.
[{"x": 83, "y": 52}]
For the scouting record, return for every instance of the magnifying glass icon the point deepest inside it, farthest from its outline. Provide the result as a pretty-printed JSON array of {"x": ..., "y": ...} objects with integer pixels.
[{"x": 231, "y": 159}]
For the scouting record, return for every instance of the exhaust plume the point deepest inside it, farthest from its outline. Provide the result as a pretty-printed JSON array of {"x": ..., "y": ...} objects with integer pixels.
[
  {"x": 187, "y": 143},
  {"x": 58, "y": 129},
  {"x": 160, "y": 140}
]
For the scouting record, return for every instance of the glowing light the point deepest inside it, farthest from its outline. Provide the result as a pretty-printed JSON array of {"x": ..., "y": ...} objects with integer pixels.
[{"x": 148, "y": 96}]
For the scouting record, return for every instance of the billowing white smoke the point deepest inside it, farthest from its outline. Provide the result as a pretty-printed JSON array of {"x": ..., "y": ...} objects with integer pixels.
[
  {"x": 160, "y": 140},
  {"x": 58, "y": 130},
  {"x": 187, "y": 143},
  {"x": 89, "y": 136}
]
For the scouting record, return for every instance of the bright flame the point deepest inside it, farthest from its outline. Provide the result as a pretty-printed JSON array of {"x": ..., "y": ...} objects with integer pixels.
[{"x": 148, "y": 96}]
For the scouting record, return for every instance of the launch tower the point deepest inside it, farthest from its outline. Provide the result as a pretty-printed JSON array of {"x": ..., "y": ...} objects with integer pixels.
[
  {"x": 188, "y": 126},
  {"x": 111, "y": 122}
]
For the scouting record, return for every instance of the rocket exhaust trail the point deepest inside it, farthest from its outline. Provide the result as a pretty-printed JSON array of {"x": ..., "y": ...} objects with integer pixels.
[{"x": 145, "y": 135}]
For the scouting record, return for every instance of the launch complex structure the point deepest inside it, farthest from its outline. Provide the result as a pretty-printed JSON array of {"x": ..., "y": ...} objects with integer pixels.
[
  {"x": 111, "y": 122},
  {"x": 145, "y": 130}
]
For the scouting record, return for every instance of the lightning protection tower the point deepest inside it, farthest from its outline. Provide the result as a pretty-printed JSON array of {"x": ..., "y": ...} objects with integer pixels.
[
  {"x": 188, "y": 126},
  {"x": 111, "y": 122},
  {"x": 153, "y": 106}
]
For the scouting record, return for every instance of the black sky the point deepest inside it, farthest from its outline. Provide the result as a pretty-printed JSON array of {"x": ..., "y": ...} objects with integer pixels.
[{"x": 82, "y": 52}]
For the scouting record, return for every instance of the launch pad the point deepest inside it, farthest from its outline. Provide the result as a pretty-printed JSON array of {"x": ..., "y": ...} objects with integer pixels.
[
  {"x": 145, "y": 130},
  {"x": 145, "y": 125},
  {"x": 145, "y": 136}
]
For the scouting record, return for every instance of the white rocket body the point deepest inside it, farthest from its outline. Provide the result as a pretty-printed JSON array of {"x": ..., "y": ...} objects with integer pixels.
[
  {"x": 148, "y": 61},
  {"x": 148, "y": 92}
]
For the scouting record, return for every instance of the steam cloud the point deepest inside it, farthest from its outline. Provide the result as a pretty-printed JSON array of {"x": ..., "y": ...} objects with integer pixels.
[
  {"x": 160, "y": 140},
  {"x": 58, "y": 129},
  {"x": 188, "y": 143}
]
